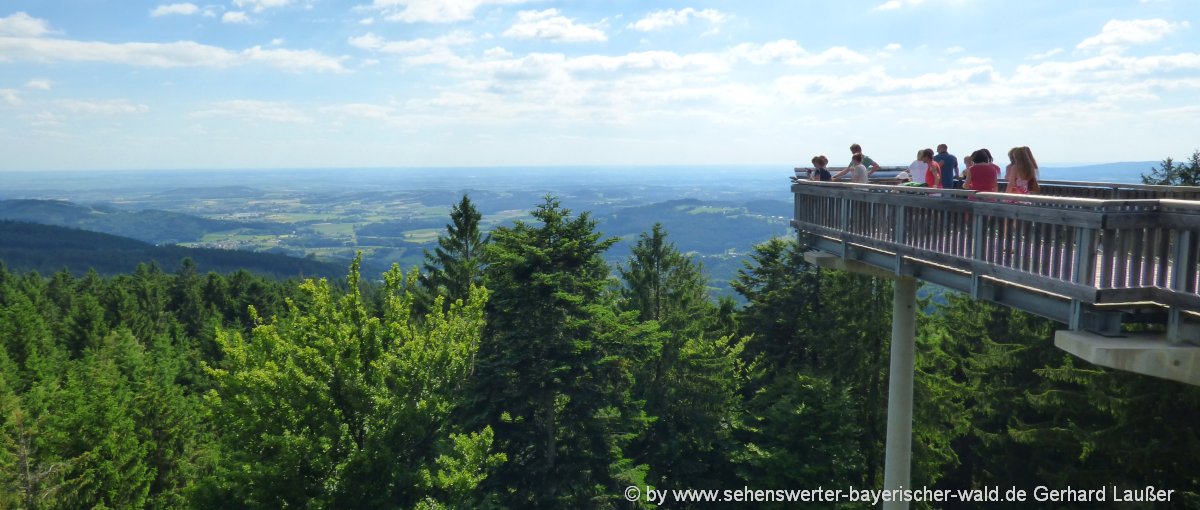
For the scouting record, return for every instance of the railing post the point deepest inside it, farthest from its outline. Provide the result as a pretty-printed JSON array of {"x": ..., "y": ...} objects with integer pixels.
[
  {"x": 845, "y": 225},
  {"x": 899, "y": 232},
  {"x": 1184, "y": 258},
  {"x": 1083, "y": 271},
  {"x": 976, "y": 253},
  {"x": 796, "y": 205}
]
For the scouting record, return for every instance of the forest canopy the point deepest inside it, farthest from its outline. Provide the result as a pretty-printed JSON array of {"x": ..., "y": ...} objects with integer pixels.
[{"x": 519, "y": 370}]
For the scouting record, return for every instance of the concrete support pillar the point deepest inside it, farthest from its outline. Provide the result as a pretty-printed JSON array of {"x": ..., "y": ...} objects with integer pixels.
[{"x": 897, "y": 466}]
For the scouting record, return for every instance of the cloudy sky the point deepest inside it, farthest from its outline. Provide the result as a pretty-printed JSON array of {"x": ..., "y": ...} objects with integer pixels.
[{"x": 123, "y": 84}]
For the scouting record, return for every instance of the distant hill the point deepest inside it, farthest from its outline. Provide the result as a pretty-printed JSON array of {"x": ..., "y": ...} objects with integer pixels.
[
  {"x": 152, "y": 226},
  {"x": 701, "y": 226},
  {"x": 47, "y": 249},
  {"x": 1129, "y": 172}
]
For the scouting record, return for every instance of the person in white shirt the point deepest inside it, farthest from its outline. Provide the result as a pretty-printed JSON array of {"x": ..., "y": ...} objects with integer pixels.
[{"x": 918, "y": 166}]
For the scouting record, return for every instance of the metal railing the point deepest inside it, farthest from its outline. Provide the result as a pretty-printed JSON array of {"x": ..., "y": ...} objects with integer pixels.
[{"x": 1095, "y": 251}]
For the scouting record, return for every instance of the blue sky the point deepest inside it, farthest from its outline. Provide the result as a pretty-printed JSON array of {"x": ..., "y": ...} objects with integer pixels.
[{"x": 96, "y": 84}]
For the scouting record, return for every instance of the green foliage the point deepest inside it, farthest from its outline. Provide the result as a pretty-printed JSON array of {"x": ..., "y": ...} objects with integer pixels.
[
  {"x": 690, "y": 387},
  {"x": 556, "y": 367},
  {"x": 457, "y": 262},
  {"x": 801, "y": 431},
  {"x": 564, "y": 385},
  {"x": 330, "y": 407},
  {"x": 1176, "y": 174}
]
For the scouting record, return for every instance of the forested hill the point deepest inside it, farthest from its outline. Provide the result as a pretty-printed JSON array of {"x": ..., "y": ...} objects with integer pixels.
[
  {"x": 152, "y": 226},
  {"x": 47, "y": 249}
]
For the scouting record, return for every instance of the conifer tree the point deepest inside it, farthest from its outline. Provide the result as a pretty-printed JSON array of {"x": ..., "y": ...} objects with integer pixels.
[
  {"x": 457, "y": 262},
  {"x": 781, "y": 313},
  {"x": 555, "y": 370},
  {"x": 1173, "y": 173},
  {"x": 690, "y": 387}
]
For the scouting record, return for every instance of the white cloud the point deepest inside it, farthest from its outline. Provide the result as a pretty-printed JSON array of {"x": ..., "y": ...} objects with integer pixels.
[
  {"x": 254, "y": 111},
  {"x": 370, "y": 41},
  {"x": 497, "y": 53},
  {"x": 11, "y": 96},
  {"x": 954, "y": 49},
  {"x": 235, "y": 17},
  {"x": 277, "y": 41},
  {"x": 260, "y": 5},
  {"x": 892, "y": 5},
  {"x": 434, "y": 11},
  {"x": 44, "y": 120},
  {"x": 185, "y": 9},
  {"x": 669, "y": 18},
  {"x": 1046, "y": 54},
  {"x": 23, "y": 25},
  {"x": 972, "y": 61},
  {"x": 362, "y": 111},
  {"x": 295, "y": 60},
  {"x": 892, "y": 47},
  {"x": 111, "y": 107},
  {"x": 1117, "y": 34},
  {"x": 790, "y": 52},
  {"x": 549, "y": 25},
  {"x": 648, "y": 60},
  {"x": 38, "y": 84},
  {"x": 165, "y": 55}
]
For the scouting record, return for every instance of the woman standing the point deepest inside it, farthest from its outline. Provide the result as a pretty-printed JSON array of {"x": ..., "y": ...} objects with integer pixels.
[
  {"x": 981, "y": 176},
  {"x": 1022, "y": 171},
  {"x": 933, "y": 171}
]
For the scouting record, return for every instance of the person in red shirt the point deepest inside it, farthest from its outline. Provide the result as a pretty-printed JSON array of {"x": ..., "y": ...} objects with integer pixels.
[
  {"x": 981, "y": 173},
  {"x": 933, "y": 172}
]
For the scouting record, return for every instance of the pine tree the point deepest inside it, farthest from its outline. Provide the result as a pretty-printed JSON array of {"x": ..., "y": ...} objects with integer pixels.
[
  {"x": 457, "y": 262},
  {"x": 1174, "y": 174},
  {"x": 555, "y": 370},
  {"x": 782, "y": 310},
  {"x": 690, "y": 387}
]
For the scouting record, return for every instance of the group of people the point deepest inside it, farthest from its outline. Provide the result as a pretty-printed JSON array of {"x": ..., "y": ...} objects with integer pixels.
[{"x": 940, "y": 170}]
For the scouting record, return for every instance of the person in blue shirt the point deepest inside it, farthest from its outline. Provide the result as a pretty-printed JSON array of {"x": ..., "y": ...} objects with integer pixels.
[{"x": 949, "y": 165}]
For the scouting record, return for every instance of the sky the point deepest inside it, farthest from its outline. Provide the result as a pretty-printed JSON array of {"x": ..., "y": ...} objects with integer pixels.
[{"x": 245, "y": 84}]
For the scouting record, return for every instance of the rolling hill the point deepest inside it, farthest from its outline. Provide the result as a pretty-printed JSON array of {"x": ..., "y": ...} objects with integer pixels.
[
  {"x": 151, "y": 226},
  {"x": 47, "y": 248}
]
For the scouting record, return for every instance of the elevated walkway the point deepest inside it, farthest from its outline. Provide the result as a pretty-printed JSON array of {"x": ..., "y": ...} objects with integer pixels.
[
  {"x": 1088, "y": 255},
  {"x": 1093, "y": 256}
]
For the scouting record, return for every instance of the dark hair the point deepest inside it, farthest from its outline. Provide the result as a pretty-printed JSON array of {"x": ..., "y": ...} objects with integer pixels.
[
  {"x": 927, "y": 153},
  {"x": 981, "y": 156},
  {"x": 855, "y": 148},
  {"x": 857, "y": 158}
]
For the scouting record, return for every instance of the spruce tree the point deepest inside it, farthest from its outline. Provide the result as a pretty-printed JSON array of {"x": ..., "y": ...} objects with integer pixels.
[
  {"x": 690, "y": 387},
  {"x": 457, "y": 262},
  {"x": 555, "y": 372}
]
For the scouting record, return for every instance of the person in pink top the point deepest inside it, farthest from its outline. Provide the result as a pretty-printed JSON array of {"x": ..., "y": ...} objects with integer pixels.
[
  {"x": 933, "y": 171},
  {"x": 981, "y": 176},
  {"x": 1022, "y": 171}
]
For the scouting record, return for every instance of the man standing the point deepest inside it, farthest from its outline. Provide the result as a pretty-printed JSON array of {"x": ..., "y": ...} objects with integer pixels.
[
  {"x": 867, "y": 162},
  {"x": 949, "y": 165}
]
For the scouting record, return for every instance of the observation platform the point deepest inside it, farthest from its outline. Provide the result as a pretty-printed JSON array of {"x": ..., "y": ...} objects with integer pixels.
[{"x": 1093, "y": 256}]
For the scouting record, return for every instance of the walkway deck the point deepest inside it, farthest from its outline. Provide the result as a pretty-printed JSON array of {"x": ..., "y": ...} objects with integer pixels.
[{"x": 1093, "y": 256}]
